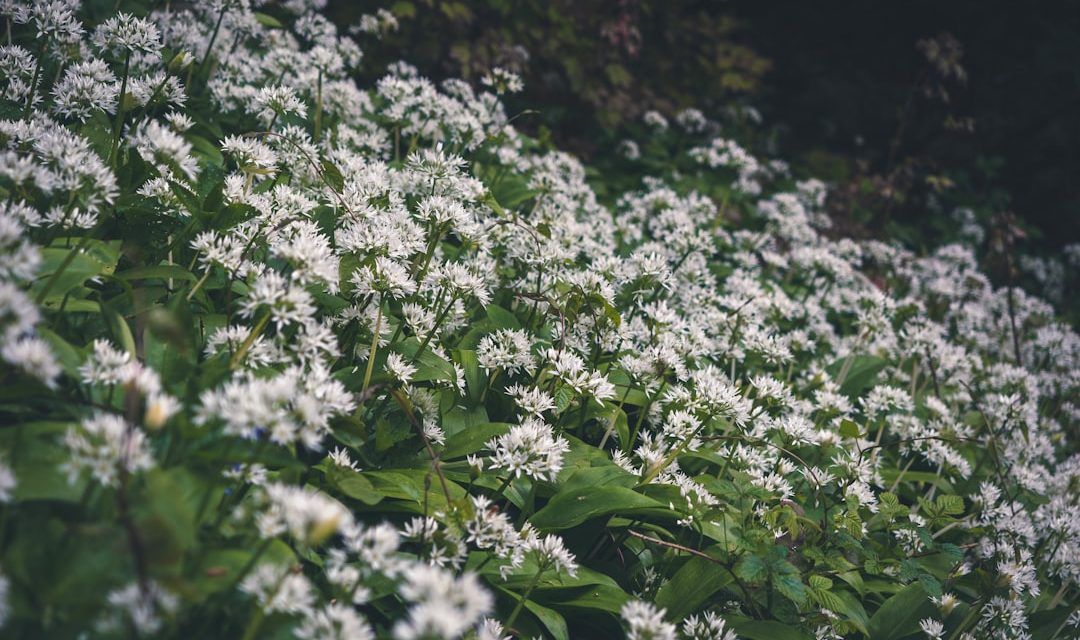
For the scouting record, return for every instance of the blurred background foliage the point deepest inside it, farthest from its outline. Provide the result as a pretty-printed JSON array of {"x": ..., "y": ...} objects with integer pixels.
[{"x": 908, "y": 109}]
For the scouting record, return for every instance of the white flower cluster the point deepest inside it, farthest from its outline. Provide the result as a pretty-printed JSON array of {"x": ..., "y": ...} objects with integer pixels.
[{"x": 395, "y": 272}]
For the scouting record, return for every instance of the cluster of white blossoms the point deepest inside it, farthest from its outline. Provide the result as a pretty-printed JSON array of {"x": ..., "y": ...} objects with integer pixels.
[{"x": 395, "y": 273}]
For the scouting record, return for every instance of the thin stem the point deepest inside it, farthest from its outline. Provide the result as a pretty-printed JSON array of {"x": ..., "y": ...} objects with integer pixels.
[
  {"x": 318, "y": 109},
  {"x": 255, "y": 331},
  {"x": 525, "y": 597},
  {"x": 374, "y": 348},
  {"x": 118, "y": 123},
  {"x": 37, "y": 72}
]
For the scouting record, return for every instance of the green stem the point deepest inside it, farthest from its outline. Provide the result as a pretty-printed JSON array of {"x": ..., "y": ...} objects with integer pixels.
[
  {"x": 65, "y": 264},
  {"x": 374, "y": 348},
  {"x": 37, "y": 72},
  {"x": 318, "y": 109},
  {"x": 524, "y": 598},
  {"x": 118, "y": 123},
  {"x": 255, "y": 331}
]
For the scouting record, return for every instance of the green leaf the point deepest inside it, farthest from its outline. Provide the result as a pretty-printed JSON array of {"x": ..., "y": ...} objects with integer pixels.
[
  {"x": 610, "y": 474},
  {"x": 475, "y": 381},
  {"x": 597, "y": 597},
  {"x": 768, "y": 630},
  {"x": 852, "y": 608},
  {"x": 158, "y": 272},
  {"x": 501, "y": 318},
  {"x": 751, "y": 568},
  {"x": 96, "y": 259},
  {"x": 353, "y": 484},
  {"x": 333, "y": 175},
  {"x": 861, "y": 373},
  {"x": 849, "y": 429},
  {"x": 268, "y": 20},
  {"x": 791, "y": 587},
  {"x": 691, "y": 587},
  {"x": 472, "y": 439},
  {"x": 428, "y": 366},
  {"x": 900, "y": 615},
  {"x": 571, "y": 508},
  {"x": 554, "y": 622},
  {"x": 562, "y": 399},
  {"x": 118, "y": 327},
  {"x": 950, "y": 504}
]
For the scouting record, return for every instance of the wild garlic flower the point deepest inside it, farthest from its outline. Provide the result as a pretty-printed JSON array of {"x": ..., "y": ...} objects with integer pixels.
[
  {"x": 106, "y": 446},
  {"x": 509, "y": 350},
  {"x": 533, "y": 401},
  {"x": 399, "y": 369},
  {"x": 305, "y": 515},
  {"x": 645, "y": 621},
  {"x": 708, "y": 627},
  {"x": 386, "y": 276},
  {"x": 334, "y": 622},
  {"x": 503, "y": 81},
  {"x": 529, "y": 449},
  {"x": 443, "y": 606},
  {"x": 125, "y": 34},
  {"x": 279, "y": 589},
  {"x": 550, "y": 551},
  {"x": 139, "y": 606}
]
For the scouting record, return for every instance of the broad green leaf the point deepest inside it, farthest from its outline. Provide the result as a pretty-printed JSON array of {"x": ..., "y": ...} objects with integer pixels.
[
  {"x": 768, "y": 630},
  {"x": 501, "y": 318},
  {"x": 429, "y": 366},
  {"x": 353, "y": 484},
  {"x": 158, "y": 272},
  {"x": 861, "y": 373},
  {"x": 571, "y": 508},
  {"x": 900, "y": 614},
  {"x": 606, "y": 475},
  {"x": 853, "y": 610},
  {"x": 472, "y": 439},
  {"x": 596, "y": 597},
  {"x": 692, "y": 586}
]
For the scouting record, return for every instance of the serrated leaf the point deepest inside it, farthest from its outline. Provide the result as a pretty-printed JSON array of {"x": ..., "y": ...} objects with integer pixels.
[
  {"x": 791, "y": 587},
  {"x": 563, "y": 396},
  {"x": 950, "y": 504},
  {"x": 751, "y": 568}
]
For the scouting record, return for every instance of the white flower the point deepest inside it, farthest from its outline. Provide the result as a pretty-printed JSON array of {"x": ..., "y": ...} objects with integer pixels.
[
  {"x": 530, "y": 449},
  {"x": 340, "y": 457},
  {"x": 124, "y": 33},
  {"x": 397, "y": 367},
  {"x": 933, "y": 629},
  {"x": 443, "y": 606},
  {"x": 506, "y": 349},
  {"x": 277, "y": 588},
  {"x": 309, "y": 517},
  {"x": 107, "y": 446},
  {"x": 645, "y": 622}
]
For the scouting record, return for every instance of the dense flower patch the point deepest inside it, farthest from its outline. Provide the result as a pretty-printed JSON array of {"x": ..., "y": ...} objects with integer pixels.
[{"x": 288, "y": 357}]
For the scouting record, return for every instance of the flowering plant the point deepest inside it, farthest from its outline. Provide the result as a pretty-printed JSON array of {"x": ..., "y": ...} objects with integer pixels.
[{"x": 286, "y": 356}]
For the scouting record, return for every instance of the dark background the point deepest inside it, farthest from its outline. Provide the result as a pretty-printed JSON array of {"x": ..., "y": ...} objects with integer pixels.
[{"x": 831, "y": 78}]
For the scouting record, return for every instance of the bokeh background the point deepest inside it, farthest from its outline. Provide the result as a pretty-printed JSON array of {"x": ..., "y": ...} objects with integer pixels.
[{"x": 907, "y": 108}]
